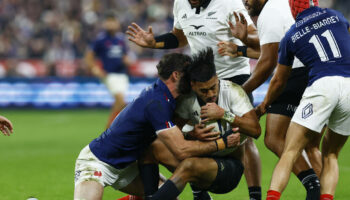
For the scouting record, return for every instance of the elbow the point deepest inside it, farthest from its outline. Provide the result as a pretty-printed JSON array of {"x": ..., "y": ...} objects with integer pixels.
[{"x": 257, "y": 131}]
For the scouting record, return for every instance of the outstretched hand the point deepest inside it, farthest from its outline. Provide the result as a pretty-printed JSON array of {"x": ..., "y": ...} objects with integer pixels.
[
  {"x": 240, "y": 29},
  {"x": 5, "y": 126},
  {"x": 227, "y": 49},
  {"x": 141, "y": 37}
]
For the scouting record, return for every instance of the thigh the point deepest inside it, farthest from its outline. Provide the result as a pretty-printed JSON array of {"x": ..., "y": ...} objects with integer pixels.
[
  {"x": 88, "y": 190},
  {"x": 134, "y": 188},
  {"x": 163, "y": 155},
  {"x": 276, "y": 127},
  {"x": 333, "y": 143}
]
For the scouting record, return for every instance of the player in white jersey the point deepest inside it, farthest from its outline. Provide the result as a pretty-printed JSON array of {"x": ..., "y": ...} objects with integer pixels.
[
  {"x": 202, "y": 23},
  {"x": 274, "y": 20},
  {"x": 212, "y": 100}
]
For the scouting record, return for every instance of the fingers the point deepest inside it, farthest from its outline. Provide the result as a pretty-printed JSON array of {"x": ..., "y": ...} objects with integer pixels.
[
  {"x": 211, "y": 138},
  {"x": 236, "y": 17},
  {"x": 4, "y": 129},
  {"x": 243, "y": 19},
  {"x": 231, "y": 25},
  {"x": 137, "y": 27},
  {"x": 150, "y": 29}
]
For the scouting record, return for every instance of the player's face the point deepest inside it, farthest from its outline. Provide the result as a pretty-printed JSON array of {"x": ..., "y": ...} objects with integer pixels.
[
  {"x": 207, "y": 91},
  {"x": 254, "y": 7},
  {"x": 195, "y": 3},
  {"x": 111, "y": 25}
]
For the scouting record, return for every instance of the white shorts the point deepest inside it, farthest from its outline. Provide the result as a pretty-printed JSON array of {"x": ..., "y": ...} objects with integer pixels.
[
  {"x": 328, "y": 98},
  {"x": 90, "y": 168},
  {"x": 117, "y": 83}
]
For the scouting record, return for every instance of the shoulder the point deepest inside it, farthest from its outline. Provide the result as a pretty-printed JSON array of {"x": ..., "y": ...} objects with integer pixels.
[
  {"x": 232, "y": 88},
  {"x": 186, "y": 100}
]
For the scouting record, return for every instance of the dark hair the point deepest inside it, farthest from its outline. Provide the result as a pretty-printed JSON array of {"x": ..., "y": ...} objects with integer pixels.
[
  {"x": 110, "y": 14},
  {"x": 172, "y": 62},
  {"x": 202, "y": 68}
]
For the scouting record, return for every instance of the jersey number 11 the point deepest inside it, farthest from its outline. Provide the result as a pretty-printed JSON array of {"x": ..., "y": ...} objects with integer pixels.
[{"x": 315, "y": 40}]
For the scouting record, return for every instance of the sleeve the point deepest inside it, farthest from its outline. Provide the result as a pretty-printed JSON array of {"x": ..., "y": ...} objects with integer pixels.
[
  {"x": 96, "y": 47},
  {"x": 237, "y": 6},
  {"x": 240, "y": 103},
  {"x": 177, "y": 24},
  {"x": 285, "y": 55},
  {"x": 271, "y": 29},
  {"x": 343, "y": 19},
  {"x": 159, "y": 115}
]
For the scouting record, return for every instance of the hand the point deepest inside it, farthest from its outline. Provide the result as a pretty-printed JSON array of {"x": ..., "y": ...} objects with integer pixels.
[
  {"x": 233, "y": 140},
  {"x": 140, "y": 36},
  {"x": 227, "y": 49},
  {"x": 211, "y": 111},
  {"x": 98, "y": 72},
  {"x": 202, "y": 132},
  {"x": 240, "y": 29},
  {"x": 260, "y": 110},
  {"x": 5, "y": 126}
]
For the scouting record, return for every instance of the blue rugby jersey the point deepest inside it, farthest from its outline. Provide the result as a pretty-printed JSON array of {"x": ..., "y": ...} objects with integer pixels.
[
  {"x": 110, "y": 50},
  {"x": 320, "y": 39},
  {"x": 136, "y": 126}
]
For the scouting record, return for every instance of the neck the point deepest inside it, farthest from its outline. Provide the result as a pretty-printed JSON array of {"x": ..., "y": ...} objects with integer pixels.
[{"x": 172, "y": 88}]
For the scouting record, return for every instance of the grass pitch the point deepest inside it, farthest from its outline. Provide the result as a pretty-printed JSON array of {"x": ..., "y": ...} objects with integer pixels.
[{"x": 38, "y": 159}]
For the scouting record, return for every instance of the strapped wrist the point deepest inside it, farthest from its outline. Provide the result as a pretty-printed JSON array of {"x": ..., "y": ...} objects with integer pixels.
[
  {"x": 242, "y": 51},
  {"x": 220, "y": 144},
  {"x": 166, "y": 41},
  {"x": 229, "y": 117}
]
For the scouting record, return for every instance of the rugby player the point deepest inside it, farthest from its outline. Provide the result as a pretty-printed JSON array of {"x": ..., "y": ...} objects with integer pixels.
[
  {"x": 110, "y": 159},
  {"x": 202, "y": 23},
  {"x": 274, "y": 21},
  {"x": 320, "y": 39},
  {"x": 111, "y": 49},
  {"x": 228, "y": 105},
  {"x": 5, "y": 126}
]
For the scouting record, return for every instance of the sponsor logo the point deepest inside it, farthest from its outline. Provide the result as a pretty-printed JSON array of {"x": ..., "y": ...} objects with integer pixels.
[
  {"x": 211, "y": 13},
  {"x": 184, "y": 16},
  {"x": 98, "y": 173},
  {"x": 77, "y": 175},
  {"x": 169, "y": 124},
  {"x": 197, "y": 33},
  {"x": 307, "y": 111},
  {"x": 195, "y": 113},
  {"x": 197, "y": 27}
]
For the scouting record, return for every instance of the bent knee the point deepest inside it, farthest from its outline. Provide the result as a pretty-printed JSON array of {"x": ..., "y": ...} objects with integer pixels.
[{"x": 274, "y": 145}]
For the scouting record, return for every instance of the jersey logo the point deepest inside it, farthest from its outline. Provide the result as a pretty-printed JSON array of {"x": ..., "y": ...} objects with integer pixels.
[
  {"x": 195, "y": 113},
  {"x": 197, "y": 27},
  {"x": 184, "y": 16},
  {"x": 211, "y": 13},
  {"x": 307, "y": 111},
  {"x": 169, "y": 124}
]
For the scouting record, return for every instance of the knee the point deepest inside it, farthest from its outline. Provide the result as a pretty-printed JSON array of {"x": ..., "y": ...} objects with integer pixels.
[
  {"x": 274, "y": 145},
  {"x": 187, "y": 167}
]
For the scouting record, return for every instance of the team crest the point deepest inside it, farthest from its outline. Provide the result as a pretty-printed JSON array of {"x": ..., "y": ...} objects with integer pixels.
[{"x": 307, "y": 111}]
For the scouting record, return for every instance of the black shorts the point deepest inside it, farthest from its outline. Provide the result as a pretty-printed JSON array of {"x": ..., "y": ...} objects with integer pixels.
[
  {"x": 240, "y": 80},
  {"x": 288, "y": 101},
  {"x": 229, "y": 174}
]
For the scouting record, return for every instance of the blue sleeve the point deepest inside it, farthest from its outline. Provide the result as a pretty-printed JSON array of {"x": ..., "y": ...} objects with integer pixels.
[
  {"x": 96, "y": 47},
  {"x": 342, "y": 19},
  {"x": 159, "y": 114},
  {"x": 285, "y": 55}
]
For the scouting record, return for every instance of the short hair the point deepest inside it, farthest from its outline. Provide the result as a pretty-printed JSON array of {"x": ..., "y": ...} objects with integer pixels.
[
  {"x": 110, "y": 14},
  {"x": 202, "y": 68},
  {"x": 172, "y": 62}
]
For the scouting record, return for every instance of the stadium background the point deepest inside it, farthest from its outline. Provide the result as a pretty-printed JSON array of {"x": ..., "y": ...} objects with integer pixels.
[{"x": 57, "y": 107}]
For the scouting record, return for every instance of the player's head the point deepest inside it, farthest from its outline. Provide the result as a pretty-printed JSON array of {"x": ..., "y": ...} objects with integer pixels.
[
  {"x": 172, "y": 68},
  {"x": 254, "y": 7},
  {"x": 203, "y": 78},
  {"x": 110, "y": 23},
  {"x": 298, "y": 6},
  {"x": 197, "y": 3}
]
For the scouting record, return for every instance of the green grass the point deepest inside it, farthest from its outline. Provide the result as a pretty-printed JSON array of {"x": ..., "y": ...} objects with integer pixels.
[{"x": 38, "y": 159}]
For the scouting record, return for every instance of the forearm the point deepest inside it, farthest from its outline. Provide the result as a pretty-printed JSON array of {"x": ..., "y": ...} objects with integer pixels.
[
  {"x": 194, "y": 148},
  {"x": 260, "y": 74},
  {"x": 252, "y": 41},
  {"x": 253, "y": 53},
  {"x": 172, "y": 40},
  {"x": 275, "y": 89},
  {"x": 247, "y": 126}
]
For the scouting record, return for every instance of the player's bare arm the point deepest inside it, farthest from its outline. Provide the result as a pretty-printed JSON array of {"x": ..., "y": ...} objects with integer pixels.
[
  {"x": 182, "y": 149},
  {"x": 91, "y": 63},
  {"x": 146, "y": 39},
  {"x": 265, "y": 66},
  {"x": 248, "y": 123},
  {"x": 276, "y": 86},
  {"x": 5, "y": 126},
  {"x": 226, "y": 48},
  {"x": 247, "y": 34}
]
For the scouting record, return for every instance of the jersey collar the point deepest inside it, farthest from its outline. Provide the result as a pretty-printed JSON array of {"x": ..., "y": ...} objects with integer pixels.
[
  {"x": 306, "y": 12},
  {"x": 204, "y": 6}
]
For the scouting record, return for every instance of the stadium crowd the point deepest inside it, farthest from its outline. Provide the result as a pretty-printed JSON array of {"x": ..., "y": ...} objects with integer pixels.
[{"x": 62, "y": 30}]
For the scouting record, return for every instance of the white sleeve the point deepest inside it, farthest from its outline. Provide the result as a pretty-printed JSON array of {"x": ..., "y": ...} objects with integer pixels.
[
  {"x": 240, "y": 103},
  {"x": 176, "y": 17},
  {"x": 271, "y": 28},
  {"x": 237, "y": 6}
]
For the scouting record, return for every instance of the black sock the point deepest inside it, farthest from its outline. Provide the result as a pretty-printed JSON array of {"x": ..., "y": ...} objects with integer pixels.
[
  {"x": 167, "y": 191},
  {"x": 199, "y": 194},
  {"x": 311, "y": 183},
  {"x": 255, "y": 193},
  {"x": 149, "y": 174}
]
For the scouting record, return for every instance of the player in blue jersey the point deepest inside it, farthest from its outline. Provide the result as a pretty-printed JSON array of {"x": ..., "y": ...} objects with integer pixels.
[
  {"x": 111, "y": 159},
  {"x": 110, "y": 48},
  {"x": 320, "y": 39}
]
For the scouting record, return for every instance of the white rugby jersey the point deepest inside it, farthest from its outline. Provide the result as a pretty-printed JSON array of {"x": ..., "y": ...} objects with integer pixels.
[
  {"x": 274, "y": 21},
  {"x": 231, "y": 98},
  {"x": 209, "y": 27}
]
